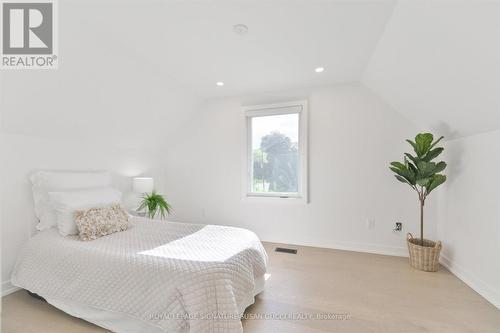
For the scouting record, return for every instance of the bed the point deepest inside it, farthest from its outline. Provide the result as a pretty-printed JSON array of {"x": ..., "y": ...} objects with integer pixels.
[{"x": 157, "y": 276}]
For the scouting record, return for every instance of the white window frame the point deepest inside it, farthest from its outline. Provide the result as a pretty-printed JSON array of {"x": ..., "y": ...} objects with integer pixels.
[{"x": 269, "y": 110}]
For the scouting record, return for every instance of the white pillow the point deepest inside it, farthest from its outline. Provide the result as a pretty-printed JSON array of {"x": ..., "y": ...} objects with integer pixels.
[
  {"x": 46, "y": 181},
  {"x": 67, "y": 203}
]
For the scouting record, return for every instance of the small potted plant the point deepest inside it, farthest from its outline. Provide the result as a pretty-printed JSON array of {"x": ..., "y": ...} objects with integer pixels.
[
  {"x": 154, "y": 204},
  {"x": 423, "y": 176}
]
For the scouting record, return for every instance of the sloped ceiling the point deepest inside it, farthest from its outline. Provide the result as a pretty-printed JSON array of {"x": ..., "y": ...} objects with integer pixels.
[
  {"x": 194, "y": 43},
  {"x": 435, "y": 61},
  {"x": 438, "y": 63}
]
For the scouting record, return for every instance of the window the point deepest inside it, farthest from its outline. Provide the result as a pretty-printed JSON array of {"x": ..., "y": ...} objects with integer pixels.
[{"x": 276, "y": 154}]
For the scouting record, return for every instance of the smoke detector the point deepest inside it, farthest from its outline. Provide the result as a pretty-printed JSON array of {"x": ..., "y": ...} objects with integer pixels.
[{"x": 240, "y": 29}]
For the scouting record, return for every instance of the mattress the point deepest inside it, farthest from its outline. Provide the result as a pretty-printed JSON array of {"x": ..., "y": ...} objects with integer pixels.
[{"x": 158, "y": 276}]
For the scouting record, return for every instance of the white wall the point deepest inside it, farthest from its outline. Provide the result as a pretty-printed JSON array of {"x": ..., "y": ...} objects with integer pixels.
[
  {"x": 470, "y": 213},
  {"x": 353, "y": 137},
  {"x": 110, "y": 110}
]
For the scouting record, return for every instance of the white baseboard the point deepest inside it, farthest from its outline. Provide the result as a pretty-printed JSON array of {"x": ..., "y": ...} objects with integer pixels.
[
  {"x": 487, "y": 292},
  {"x": 370, "y": 248},
  {"x": 355, "y": 247},
  {"x": 8, "y": 288}
]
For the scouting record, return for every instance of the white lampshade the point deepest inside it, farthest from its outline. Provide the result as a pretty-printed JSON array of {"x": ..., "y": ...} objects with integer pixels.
[{"x": 143, "y": 184}]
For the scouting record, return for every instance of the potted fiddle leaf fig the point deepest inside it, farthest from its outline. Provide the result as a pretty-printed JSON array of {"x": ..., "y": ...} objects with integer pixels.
[{"x": 423, "y": 175}]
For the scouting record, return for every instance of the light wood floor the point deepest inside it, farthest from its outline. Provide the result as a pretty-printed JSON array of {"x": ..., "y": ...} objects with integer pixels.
[{"x": 379, "y": 293}]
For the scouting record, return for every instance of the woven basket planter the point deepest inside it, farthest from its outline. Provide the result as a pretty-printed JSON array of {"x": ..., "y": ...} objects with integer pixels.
[{"x": 424, "y": 258}]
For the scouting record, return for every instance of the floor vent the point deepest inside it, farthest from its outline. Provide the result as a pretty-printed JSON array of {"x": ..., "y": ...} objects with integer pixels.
[{"x": 285, "y": 250}]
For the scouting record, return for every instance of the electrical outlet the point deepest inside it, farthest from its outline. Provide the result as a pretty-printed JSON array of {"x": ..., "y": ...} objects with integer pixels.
[{"x": 399, "y": 226}]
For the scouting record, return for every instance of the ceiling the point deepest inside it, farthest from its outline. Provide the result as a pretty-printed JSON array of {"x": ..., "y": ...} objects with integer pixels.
[
  {"x": 435, "y": 61},
  {"x": 438, "y": 63},
  {"x": 193, "y": 42}
]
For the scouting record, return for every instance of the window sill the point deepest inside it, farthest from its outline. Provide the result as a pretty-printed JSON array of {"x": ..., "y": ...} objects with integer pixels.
[{"x": 248, "y": 198}]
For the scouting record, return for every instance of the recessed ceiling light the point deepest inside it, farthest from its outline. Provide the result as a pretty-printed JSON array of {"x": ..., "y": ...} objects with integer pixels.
[
  {"x": 220, "y": 83},
  {"x": 240, "y": 29},
  {"x": 319, "y": 69}
]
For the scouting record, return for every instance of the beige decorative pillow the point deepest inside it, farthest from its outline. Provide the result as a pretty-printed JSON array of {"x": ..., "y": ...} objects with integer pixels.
[{"x": 97, "y": 222}]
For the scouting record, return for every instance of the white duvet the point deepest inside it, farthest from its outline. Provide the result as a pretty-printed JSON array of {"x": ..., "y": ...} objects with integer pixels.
[{"x": 175, "y": 276}]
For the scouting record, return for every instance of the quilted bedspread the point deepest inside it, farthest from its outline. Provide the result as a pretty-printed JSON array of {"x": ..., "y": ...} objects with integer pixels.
[{"x": 176, "y": 276}]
